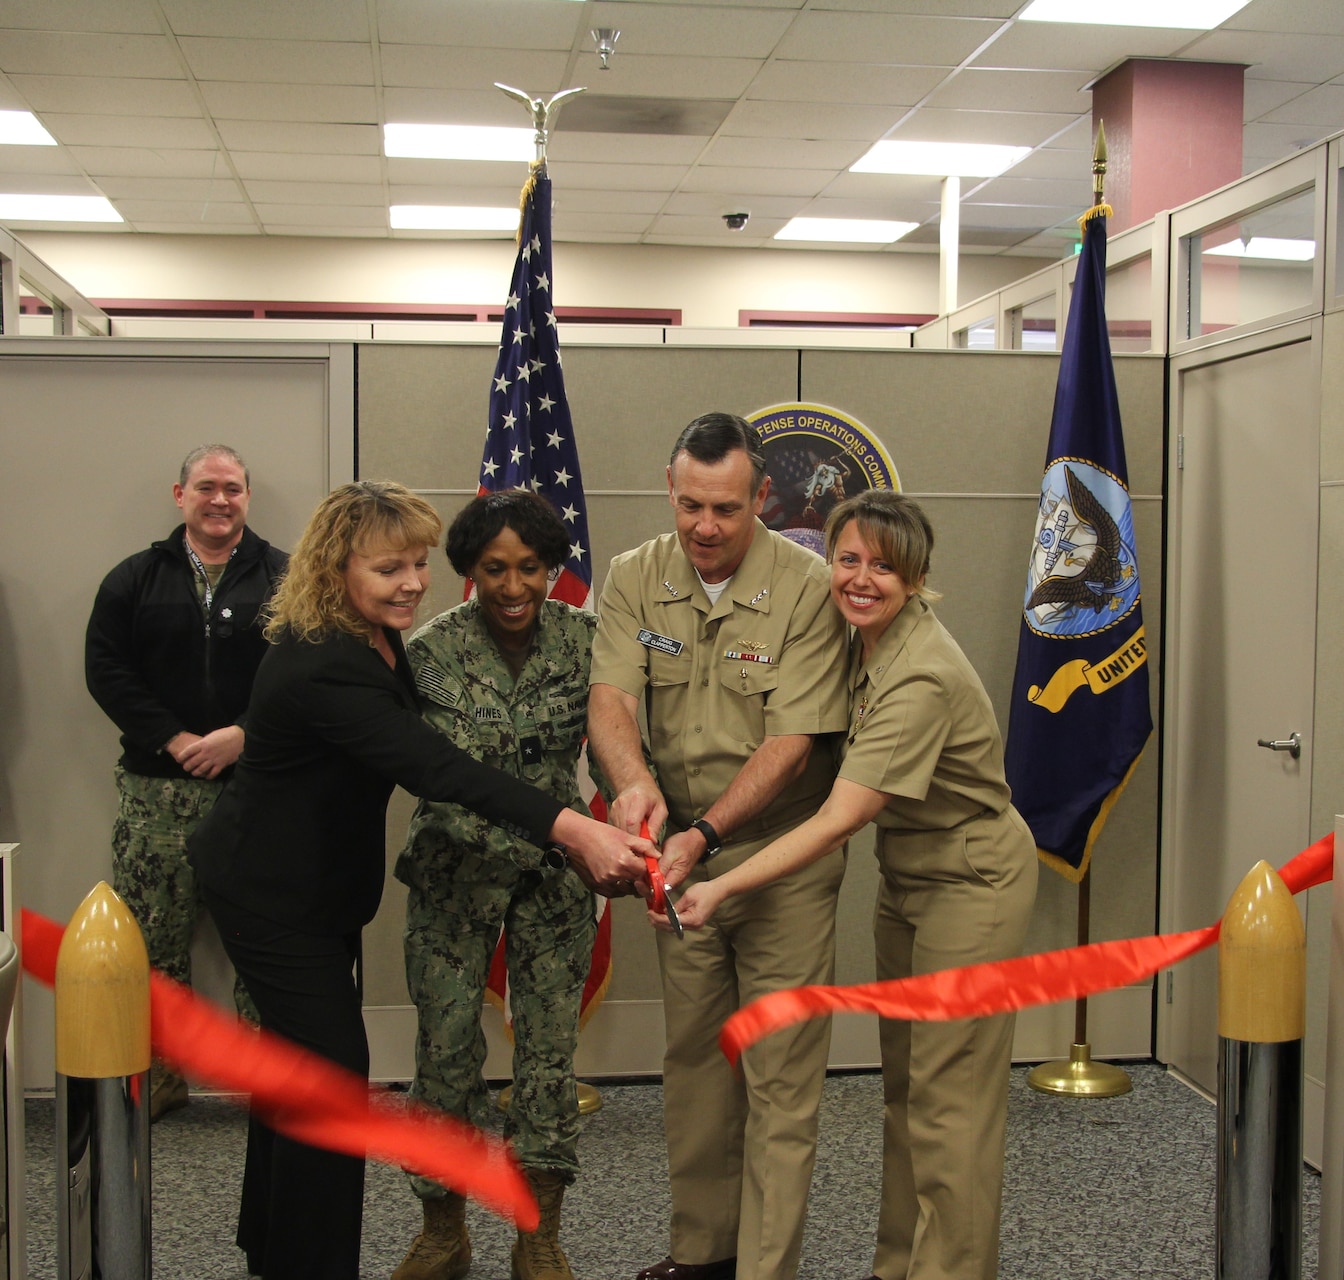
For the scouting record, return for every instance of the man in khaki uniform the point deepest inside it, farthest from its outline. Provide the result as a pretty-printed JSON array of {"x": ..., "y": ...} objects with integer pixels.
[{"x": 725, "y": 630}]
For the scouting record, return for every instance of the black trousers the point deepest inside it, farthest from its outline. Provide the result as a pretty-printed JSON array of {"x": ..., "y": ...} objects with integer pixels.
[{"x": 301, "y": 1208}]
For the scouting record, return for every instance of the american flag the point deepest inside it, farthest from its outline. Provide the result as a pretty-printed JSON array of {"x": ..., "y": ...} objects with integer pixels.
[
  {"x": 530, "y": 444},
  {"x": 530, "y": 440}
]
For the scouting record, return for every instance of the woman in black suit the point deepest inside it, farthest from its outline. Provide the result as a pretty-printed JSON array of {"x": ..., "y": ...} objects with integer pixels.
[{"x": 291, "y": 857}]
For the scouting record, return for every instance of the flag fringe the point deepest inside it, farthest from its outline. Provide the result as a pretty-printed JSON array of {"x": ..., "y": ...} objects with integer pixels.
[
  {"x": 1096, "y": 211},
  {"x": 529, "y": 187},
  {"x": 1062, "y": 865}
]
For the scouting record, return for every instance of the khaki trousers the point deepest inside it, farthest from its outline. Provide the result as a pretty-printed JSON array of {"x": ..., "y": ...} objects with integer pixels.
[
  {"x": 947, "y": 898},
  {"x": 740, "y": 1150}
]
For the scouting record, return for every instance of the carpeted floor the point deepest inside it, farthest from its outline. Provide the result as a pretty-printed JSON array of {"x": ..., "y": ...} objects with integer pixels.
[{"x": 1109, "y": 1190}]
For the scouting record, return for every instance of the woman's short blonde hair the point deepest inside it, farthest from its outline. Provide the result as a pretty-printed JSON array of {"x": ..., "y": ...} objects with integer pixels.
[
  {"x": 895, "y": 527},
  {"x": 364, "y": 517}
]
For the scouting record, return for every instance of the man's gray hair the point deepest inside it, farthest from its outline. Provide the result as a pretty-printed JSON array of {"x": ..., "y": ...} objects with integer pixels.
[{"x": 203, "y": 451}]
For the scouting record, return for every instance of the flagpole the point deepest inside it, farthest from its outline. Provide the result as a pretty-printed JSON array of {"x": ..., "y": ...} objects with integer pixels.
[
  {"x": 543, "y": 112},
  {"x": 1080, "y": 1077}
]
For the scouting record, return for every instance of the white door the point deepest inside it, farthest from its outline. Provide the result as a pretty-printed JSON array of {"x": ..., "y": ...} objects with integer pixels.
[{"x": 1242, "y": 538}]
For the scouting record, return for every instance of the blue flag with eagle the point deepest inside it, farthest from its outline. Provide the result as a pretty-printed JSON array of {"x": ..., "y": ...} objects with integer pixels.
[
  {"x": 1079, "y": 715},
  {"x": 529, "y": 442}
]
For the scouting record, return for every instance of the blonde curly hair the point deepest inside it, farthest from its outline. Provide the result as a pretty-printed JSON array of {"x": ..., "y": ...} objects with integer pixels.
[{"x": 363, "y": 517}]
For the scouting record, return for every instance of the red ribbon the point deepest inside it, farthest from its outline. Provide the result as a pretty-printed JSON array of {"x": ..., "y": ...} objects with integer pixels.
[
  {"x": 1003, "y": 986},
  {"x": 308, "y": 1098}
]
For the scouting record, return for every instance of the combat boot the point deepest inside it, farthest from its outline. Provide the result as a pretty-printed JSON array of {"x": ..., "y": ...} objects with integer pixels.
[
  {"x": 537, "y": 1255},
  {"x": 441, "y": 1251}
]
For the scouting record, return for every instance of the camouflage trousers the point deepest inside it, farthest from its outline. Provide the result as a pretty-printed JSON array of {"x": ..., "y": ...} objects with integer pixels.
[
  {"x": 447, "y": 963},
  {"x": 150, "y": 871}
]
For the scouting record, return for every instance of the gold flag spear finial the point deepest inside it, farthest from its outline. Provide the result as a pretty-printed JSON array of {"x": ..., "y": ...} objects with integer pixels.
[{"x": 1099, "y": 209}]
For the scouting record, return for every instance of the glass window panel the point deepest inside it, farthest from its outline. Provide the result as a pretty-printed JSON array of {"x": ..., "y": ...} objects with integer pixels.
[
  {"x": 1253, "y": 267},
  {"x": 1036, "y": 325},
  {"x": 1129, "y": 305},
  {"x": 977, "y": 337}
]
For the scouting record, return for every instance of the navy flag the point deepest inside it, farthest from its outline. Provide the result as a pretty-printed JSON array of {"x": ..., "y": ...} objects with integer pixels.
[
  {"x": 529, "y": 442},
  {"x": 1079, "y": 716}
]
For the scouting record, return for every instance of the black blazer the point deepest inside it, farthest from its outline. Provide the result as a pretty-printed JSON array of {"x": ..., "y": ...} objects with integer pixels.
[{"x": 297, "y": 836}]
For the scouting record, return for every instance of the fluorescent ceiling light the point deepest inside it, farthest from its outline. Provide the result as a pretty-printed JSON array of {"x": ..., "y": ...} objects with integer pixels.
[
  {"x": 18, "y": 208},
  {"x": 459, "y": 142},
  {"x": 453, "y": 217},
  {"x": 844, "y": 230},
  {"x": 21, "y": 129},
  {"x": 940, "y": 159},
  {"x": 1267, "y": 247},
  {"x": 1187, "y": 15}
]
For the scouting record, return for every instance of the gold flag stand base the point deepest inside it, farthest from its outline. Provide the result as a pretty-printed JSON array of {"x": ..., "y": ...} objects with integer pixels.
[
  {"x": 589, "y": 1099},
  {"x": 1080, "y": 1077}
]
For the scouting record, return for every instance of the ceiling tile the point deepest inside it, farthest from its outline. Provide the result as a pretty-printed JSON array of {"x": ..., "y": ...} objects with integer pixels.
[
  {"x": 885, "y": 37},
  {"x": 151, "y": 226},
  {"x": 209, "y": 213},
  {"x": 980, "y": 216},
  {"x": 938, "y": 8},
  {"x": 149, "y": 162},
  {"x": 316, "y": 103},
  {"x": 124, "y": 187},
  {"x": 1274, "y": 141},
  {"x": 279, "y": 61},
  {"x": 885, "y": 186},
  {"x": 53, "y": 160},
  {"x": 1062, "y": 46},
  {"x": 339, "y": 139},
  {"x": 475, "y": 197},
  {"x": 1313, "y": 17},
  {"x": 75, "y": 53},
  {"x": 278, "y": 230},
  {"x": 624, "y": 148},
  {"x": 1013, "y": 128},
  {"x": 93, "y": 95},
  {"x": 743, "y": 182},
  {"x": 618, "y": 177},
  {"x": 276, "y": 19},
  {"x": 1262, "y": 96},
  {"x": 1305, "y": 59},
  {"x": 602, "y": 221},
  {"x": 794, "y": 81},
  {"x": 650, "y": 76},
  {"x": 263, "y": 191},
  {"x": 690, "y": 31},
  {"x": 458, "y": 173},
  {"x": 985, "y": 90},
  {"x": 1322, "y": 107},
  {"x": 809, "y": 121},
  {"x": 46, "y": 184},
  {"x": 506, "y": 24},
  {"x": 901, "y": 209},
  {"x": 712, "y": 230},
  {"x": 1064, "y": 163},
  {"x": 462, "y": 67},
  {"x": 582, "y": 201},
  {"x": 454, "y": 106},
  {"x": 166, "y": 132},
  {"x": 707, "y": 204},
  {"x": 783, "y": 153},
  {"x": 1011, "y": 189},
  {"x": 81, "y": 15},
  {"x": 307, "y": 168},
  {"x": 683, "y": 117},
  {"x": 321, "y": 215}
]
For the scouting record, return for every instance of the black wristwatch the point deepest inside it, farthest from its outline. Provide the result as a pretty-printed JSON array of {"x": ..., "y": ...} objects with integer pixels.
[
  {"x": 555, "y": 856},
  {"x": 712, "y": 842}
]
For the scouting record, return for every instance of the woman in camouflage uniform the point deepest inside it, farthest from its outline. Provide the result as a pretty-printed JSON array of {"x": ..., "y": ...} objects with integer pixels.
[{"x": 505, "y": 678}]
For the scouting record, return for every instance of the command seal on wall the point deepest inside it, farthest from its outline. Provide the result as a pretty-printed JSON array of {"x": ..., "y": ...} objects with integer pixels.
[{"x": 816, "y": 456}]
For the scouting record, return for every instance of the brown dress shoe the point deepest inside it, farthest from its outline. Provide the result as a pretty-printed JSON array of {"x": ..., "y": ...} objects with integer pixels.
[{"x": 667, "y": 1269}]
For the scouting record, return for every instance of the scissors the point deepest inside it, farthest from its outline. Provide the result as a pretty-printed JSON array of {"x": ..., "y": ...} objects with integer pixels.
[{"x": 658, "y": 899}]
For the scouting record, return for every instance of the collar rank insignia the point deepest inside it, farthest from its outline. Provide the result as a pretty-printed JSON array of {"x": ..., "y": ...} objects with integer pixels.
[
  {"x": 760, "y": 595},
  {"x": 671, "y": 590}
]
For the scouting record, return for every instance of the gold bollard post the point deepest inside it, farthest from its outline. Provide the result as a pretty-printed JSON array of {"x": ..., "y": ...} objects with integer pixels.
[
  {"x": 1262, "y": 988},
  {"x": 102, "y": 1094}
]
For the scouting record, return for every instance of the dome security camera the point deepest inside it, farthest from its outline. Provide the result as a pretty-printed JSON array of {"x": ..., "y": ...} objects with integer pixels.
[{"x": 736, "y": 221}]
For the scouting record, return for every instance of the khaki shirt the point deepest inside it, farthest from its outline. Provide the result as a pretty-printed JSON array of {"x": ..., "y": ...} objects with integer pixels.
[
  {"x": 922, "y": 728},
  {"x": 766, "y": 660}
]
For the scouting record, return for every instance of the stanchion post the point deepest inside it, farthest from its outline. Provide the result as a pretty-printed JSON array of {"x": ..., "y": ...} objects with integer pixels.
[
  {"x": 1262, "y": 1014},
  {"x": 102, "y": 1094}
]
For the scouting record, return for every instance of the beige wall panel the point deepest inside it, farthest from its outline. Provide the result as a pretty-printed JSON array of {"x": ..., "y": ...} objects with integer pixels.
[
  {"x": 1332, "y": 402},
  {"x": 422, "y": 413},
  {"x": 629, "y": 404},
  {"x": 1327, "y": 748},
  {"x": 977, "y": 422},
  {"x": 89, "y": 450}
]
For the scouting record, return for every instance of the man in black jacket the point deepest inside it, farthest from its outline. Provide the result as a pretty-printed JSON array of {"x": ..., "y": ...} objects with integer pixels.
[{"x": 171, "y": 650}]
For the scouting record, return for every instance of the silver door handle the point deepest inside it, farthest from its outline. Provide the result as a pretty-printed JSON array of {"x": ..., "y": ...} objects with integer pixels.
[{"x": 1292, "y": 744}]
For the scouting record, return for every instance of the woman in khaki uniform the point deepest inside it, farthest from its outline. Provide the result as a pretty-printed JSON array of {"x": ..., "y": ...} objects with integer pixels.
[{"x": 924, "y": 760}]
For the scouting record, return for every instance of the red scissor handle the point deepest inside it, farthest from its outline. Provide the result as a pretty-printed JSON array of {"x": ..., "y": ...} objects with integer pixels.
[{"x": 658, "y": 897}]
